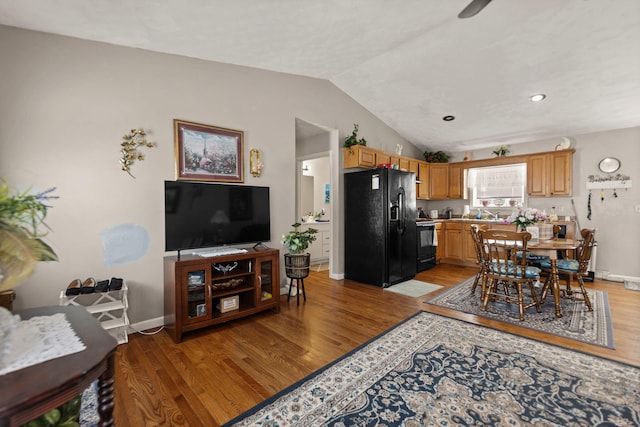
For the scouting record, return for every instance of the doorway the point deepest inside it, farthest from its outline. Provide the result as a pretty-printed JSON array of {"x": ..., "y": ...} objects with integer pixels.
[{"x": 316, "y": 173}]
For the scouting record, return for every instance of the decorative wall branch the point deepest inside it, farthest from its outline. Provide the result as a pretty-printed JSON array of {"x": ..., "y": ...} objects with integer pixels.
[{"x": 130, "y": 148}]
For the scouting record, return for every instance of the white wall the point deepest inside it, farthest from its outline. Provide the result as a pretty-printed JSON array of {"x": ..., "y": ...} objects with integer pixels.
[{"x": 65, "y": 104}]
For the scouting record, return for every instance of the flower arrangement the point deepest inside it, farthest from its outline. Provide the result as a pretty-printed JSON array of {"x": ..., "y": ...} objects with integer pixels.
[
  {"x": 525, "y": 217},
  {"x": 21, "y": 244},
  {"x": 297, "y": 241}
]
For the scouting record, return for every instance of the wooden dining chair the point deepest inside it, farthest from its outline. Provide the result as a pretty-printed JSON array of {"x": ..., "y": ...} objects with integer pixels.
[
  {"x": 480, "y": 276},
  {"x": 570, "y": 268},
  {"x": 506, "y": 271}
]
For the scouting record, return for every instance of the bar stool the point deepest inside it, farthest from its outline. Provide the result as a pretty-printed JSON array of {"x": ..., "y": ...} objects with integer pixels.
[{"x": 297, "y": 268}]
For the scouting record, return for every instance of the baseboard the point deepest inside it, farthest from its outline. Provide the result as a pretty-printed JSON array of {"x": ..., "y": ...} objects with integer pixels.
[
  {"x": 146, "y": 324},
  {"x": 605, "y": 275}
]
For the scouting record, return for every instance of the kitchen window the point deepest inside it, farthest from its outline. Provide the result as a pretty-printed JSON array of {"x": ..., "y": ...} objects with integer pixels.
[{"x": 497, "y": 186}]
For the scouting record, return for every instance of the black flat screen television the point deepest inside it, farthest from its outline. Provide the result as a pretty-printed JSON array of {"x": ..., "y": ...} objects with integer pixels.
[{"x": 200, "y": 215}]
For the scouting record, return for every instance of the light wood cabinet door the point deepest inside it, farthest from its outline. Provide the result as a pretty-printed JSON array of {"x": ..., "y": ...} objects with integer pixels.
[
  {"x": 561, "y": 173},
  {"x": 453, "y": 239},
  {"x": 382, "y": 157},
  {"x": 455, "y": 181},
  {"x": 550, "y": 174},
  {"x": 537, "y": 175},
  {"x": 359, "y": 156},
  {"x": 423, "y": 177},
  {"x": 438, "y": 181},
  {"x": 469, "y": 247},
  {"x": 441, "y": 242}
]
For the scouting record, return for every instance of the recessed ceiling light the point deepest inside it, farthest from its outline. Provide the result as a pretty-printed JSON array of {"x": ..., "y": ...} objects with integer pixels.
[
  {"x": 538, "y": 97},
  {"x": 448, "y": 118}
]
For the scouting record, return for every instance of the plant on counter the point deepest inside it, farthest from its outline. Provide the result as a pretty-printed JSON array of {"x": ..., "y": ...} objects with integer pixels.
[
  {"x": 436, "y": 157},
  {"x": 21, "y": 244},
  {"x": 353, "y": 138},
  {"x": 525, "y": 217},
  {"x": 298, "y": 241}
]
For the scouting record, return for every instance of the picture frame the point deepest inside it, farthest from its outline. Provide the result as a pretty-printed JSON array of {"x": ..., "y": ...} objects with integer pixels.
[{"x": 208, "y": 153}]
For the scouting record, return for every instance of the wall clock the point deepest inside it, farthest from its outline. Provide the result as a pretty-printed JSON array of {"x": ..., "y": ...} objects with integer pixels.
[{"x": 609, "y": 165}]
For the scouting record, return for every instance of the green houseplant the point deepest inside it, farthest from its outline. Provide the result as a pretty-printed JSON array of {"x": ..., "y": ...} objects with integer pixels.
[
  {"x": 298, "y": 241},
  {"x": 501, "y": 151},
  {"x": 353, "y": 138},
  {"x": 436, "y": 157},
  {"x": 21, "y": 243}
]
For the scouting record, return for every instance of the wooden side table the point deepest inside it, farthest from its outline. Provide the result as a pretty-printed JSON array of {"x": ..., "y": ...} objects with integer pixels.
[{"x": 27, "y": 393}]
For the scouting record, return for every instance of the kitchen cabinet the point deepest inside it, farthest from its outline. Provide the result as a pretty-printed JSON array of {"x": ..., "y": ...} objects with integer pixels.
[
  {"x": 320, "y": 249},
  {"x": 359, "y": 156},
  {"x": 201, "y": 292},
  {"x": 402, "y": 162},
  {"x": 453, "y": 241},
  {"x": 423, "y": 177},
  {"x": 459, "y": 246},
  {"x": 550, "y": 174},
  {"x": 441, "y": 241},
  {"x": 438, "y": 181},
  {"x": 382, "y": 157},
  {"x": 561, "y": 173},
  {"x": 468, "y": 246},
  {"x": 456, "y": 179}
]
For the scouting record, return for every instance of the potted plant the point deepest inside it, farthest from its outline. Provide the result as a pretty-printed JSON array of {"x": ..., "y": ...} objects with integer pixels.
[
  {"x": 21, "y": 244},
  {"x": 436, "y": 157},
  {"x": 501, "y": 151},
  {"x": 353, "y": 138},
  {"x": 298, "y": 241}
]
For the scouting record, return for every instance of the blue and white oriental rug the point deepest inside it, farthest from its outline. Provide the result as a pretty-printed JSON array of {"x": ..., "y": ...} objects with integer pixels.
[{"x": 433, "y": 370}]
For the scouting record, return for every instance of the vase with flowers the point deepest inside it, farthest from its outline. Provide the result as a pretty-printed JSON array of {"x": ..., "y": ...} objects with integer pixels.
[{"x": 523, "y": 218}]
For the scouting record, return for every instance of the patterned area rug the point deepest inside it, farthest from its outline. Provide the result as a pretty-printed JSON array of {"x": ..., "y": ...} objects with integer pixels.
[
  {"x": 593, "y": 327},
  {"x": 433, "y": 370},
  {"x": 413, "y": 288}
]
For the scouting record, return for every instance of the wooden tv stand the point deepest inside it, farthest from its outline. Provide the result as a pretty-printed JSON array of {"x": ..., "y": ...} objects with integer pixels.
[{"x": 201, "y": 292}]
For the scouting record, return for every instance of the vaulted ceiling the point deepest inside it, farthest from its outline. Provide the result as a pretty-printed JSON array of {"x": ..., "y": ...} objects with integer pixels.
[{"x": 409, "y": 62}]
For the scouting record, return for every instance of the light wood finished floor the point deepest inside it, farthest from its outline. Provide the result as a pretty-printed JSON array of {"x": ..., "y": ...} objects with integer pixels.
[{"x": 218, "y": 373}]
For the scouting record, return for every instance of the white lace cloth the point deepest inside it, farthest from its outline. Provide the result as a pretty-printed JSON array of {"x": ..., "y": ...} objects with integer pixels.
[{"x": 39, "y": 339}]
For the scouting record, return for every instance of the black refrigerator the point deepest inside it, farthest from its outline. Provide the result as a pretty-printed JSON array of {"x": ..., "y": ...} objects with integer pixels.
[{"x": 380, "y": 226}]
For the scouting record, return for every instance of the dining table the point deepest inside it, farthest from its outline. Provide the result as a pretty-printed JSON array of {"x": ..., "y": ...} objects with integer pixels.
[{"x": 550, "y": 248}]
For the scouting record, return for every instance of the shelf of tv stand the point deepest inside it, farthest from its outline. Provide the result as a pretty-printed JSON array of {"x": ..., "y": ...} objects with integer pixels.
[{"x": 192, "y": 307}]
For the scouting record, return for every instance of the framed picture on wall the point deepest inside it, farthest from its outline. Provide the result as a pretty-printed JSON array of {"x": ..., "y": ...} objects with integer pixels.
[{"x": 208, "y": 153}]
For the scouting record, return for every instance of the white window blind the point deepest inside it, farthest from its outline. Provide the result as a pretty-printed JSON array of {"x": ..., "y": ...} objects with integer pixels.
[{"x": 497, "y": 182}]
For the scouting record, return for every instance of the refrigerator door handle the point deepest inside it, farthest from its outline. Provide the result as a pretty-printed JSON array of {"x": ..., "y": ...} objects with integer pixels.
[{"x": 402, "y": 225}]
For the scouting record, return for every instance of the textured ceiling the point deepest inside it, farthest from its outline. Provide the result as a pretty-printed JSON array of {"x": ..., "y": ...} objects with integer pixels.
[{"x": 409, "y": 62}]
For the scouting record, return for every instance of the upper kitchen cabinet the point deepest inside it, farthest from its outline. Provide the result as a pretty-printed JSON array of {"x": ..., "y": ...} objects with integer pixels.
[
  {"x": 402, "y": 162},
  {"x": 359, "y": 156},
  {"x": 421, "y": 169},
  {"x": 455, "y": 181},
  {"x": 438, "y": 181},
  {"x": 550, "y": 174}
]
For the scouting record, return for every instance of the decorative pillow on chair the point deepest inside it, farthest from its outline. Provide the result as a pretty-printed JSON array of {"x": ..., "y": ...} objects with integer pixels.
[{"x": 563, "y": 264}]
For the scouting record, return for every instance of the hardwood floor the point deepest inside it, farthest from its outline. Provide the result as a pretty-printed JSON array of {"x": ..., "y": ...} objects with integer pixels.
[{"x": 220, "y": 372}]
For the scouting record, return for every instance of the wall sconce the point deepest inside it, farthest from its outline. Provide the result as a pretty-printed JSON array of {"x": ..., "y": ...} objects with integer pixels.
[{"x": 255, "y": 165}]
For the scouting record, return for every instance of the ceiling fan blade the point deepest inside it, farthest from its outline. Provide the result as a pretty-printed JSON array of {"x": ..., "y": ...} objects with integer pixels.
[{"x": 473, "y": 8}]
